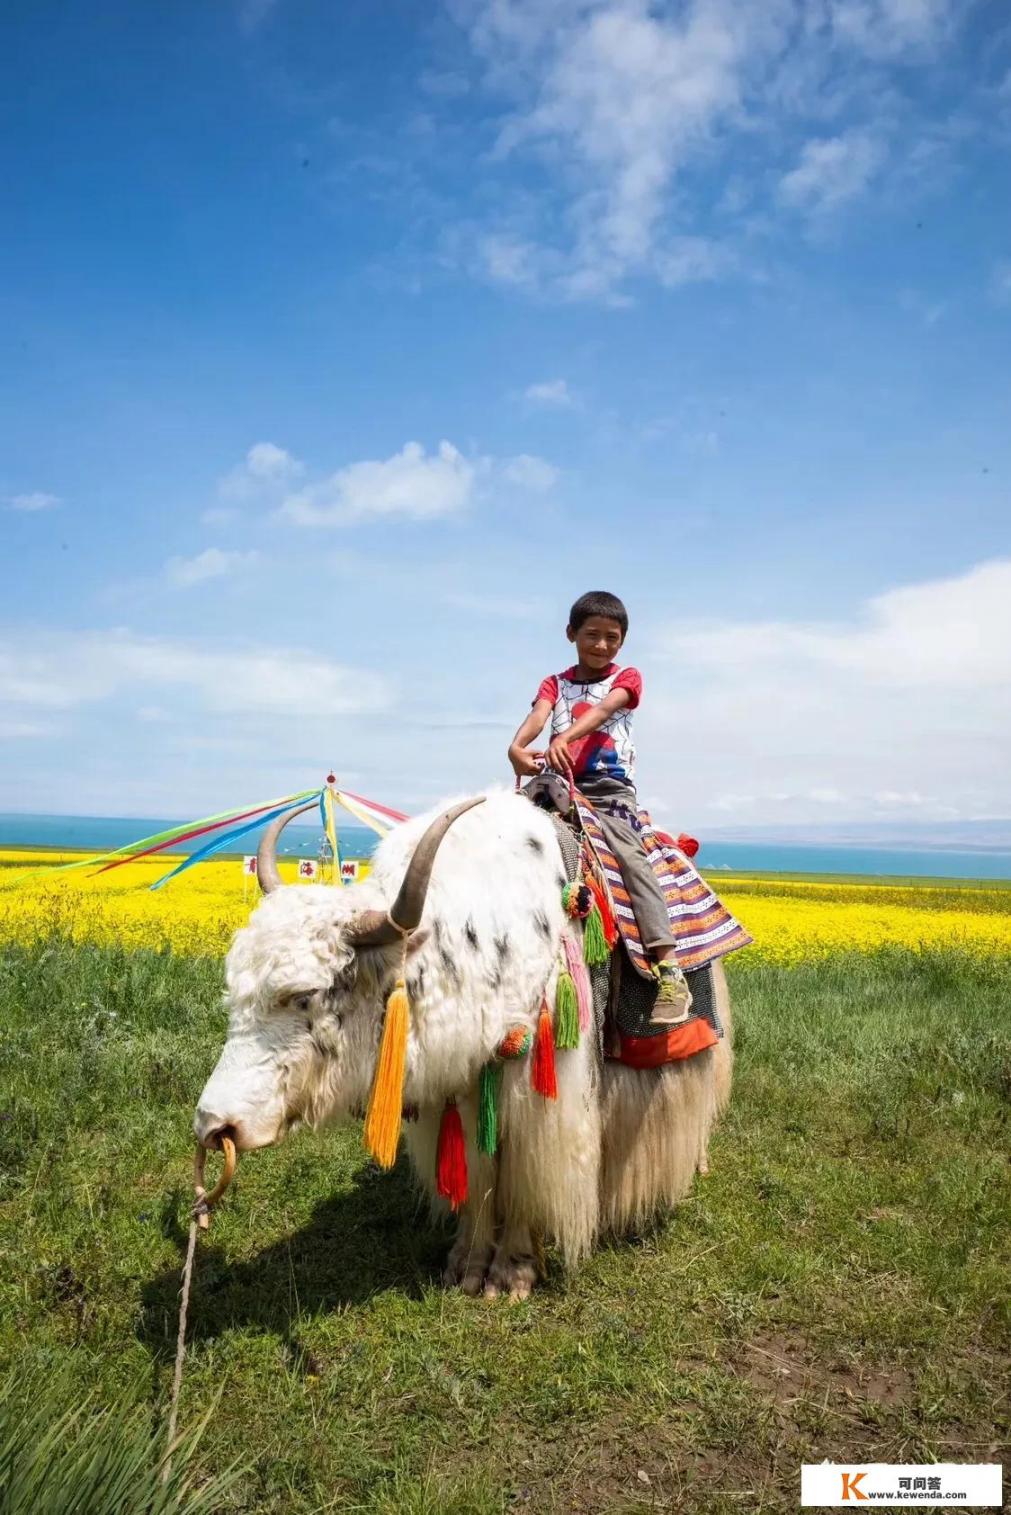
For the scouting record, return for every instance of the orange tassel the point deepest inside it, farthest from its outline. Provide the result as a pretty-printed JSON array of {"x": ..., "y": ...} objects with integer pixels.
[
  {"x": 603, "y": 900},
  {"x": 542, "y": 1073},
  {"x": 386, "y": 1102},
  {"x": 451, "y": 1160}
]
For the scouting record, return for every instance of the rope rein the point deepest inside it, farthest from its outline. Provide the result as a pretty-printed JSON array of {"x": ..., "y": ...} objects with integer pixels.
[{"x": 201, "y": 1219}]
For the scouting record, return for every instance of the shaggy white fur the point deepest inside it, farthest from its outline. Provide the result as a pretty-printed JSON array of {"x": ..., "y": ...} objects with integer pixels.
[{"x": 305, "y": 1021}]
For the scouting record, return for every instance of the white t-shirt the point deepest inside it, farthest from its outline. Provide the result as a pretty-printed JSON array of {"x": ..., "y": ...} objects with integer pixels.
[{"x": 609, "y": 751}]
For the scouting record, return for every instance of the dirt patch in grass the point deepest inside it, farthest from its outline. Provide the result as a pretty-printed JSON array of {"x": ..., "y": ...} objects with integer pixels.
[{"x": 785, "y": 1367}]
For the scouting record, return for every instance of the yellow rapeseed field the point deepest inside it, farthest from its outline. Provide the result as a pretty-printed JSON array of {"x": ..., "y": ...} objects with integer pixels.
[{"x": 196, "y": 914}]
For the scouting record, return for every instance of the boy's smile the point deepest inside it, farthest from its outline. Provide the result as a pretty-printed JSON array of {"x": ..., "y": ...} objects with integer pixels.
[{"x": 597, "y": 642}]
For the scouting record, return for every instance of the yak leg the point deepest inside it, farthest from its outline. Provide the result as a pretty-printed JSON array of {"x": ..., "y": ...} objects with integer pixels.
[
  {"x": 723, "y": 1064},
  {"x": 471, "y": 1252},
  {"x": 723, "y": 1055},
  {"x": 549, "y": 1169},
  {"x": 474, "y": 1242},
  {"x": 514, "y": 1268}
]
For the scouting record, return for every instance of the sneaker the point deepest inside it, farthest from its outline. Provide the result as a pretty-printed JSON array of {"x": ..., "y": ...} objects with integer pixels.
[{"x": 674, "y": 1000}]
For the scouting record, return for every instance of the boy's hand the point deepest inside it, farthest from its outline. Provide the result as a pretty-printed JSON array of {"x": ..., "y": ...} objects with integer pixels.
[
  {"x": 526, "y": 764},
  {"x": 559, "y": 756}
]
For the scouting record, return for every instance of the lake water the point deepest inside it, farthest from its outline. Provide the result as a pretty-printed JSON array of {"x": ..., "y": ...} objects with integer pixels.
[
  {"x": 105, "y": 833},
  {"x": 89, "y": 833}
]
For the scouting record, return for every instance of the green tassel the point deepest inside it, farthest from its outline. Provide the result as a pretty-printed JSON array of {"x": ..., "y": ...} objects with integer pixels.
[
  {"x": 487, "y": 1109},
  {"x": 566, "y": 1013},
  {"x": 594, "y": 943}
]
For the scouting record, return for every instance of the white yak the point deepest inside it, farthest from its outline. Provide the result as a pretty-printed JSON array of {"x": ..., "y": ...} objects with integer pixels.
[{"x": 307, "y": 980}]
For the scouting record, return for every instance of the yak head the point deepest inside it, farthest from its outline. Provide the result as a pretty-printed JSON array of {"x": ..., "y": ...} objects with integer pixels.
[{"x": 306, "y": 982}]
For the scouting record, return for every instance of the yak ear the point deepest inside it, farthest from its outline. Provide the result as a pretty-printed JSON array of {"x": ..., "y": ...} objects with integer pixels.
[{"x": 417, "y": 939}]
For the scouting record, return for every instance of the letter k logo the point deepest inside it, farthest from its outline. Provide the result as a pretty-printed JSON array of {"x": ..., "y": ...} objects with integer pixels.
[{"x": 851, "y": 1486}]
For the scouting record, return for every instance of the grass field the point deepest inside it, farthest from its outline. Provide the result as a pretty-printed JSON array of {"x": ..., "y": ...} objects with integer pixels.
[{"x": 838, "y": 1287}]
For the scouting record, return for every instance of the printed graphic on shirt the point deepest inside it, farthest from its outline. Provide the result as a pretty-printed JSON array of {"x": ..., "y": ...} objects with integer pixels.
[{"x": 609, "y": 750}]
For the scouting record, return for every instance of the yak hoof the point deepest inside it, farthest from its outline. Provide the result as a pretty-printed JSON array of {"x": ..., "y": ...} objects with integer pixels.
[
  {"x": 514, "y": 1276},
  {"x": 466, "y": 1268}
]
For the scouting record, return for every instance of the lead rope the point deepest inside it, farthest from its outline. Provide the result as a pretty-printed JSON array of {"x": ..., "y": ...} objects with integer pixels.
[{"x": 201, "y": 1219}]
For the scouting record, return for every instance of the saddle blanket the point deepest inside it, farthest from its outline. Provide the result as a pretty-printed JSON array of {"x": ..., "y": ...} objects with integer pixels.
[{"x": 703, "y": 927}]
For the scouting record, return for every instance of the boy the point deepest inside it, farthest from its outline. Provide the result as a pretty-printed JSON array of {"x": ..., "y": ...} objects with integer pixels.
[{"x": 590, "y": 706}]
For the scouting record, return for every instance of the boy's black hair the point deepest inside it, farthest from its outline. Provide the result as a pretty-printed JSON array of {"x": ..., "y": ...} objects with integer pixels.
[{"x": 599, "y": 602}]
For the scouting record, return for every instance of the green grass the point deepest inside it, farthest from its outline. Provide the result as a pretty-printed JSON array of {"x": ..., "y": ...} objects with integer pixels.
[{"x": 836, "y": 1288}]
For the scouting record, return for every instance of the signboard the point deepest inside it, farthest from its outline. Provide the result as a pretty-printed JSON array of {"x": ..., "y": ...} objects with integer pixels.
[
  {"x": 349, "y": 870},
  {"x": 308, "y": 870},
  {"x": 249, "y": 865}
]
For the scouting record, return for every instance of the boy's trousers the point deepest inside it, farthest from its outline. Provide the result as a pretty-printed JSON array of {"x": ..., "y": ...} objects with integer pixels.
[{"x": 648, "y": 904}]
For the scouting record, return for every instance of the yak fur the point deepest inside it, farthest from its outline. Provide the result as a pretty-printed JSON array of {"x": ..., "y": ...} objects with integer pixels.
[{"x": 305, "y": 1020}]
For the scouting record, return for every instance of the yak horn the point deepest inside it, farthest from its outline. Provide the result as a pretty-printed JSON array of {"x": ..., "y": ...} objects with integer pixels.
[
  {"x": 268, "y": 875},
  {"x": 377, "y": 928}
]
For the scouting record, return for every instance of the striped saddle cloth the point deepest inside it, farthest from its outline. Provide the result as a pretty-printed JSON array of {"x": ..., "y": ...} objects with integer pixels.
[
  {"x": 702, "y": 926},
  {"x": 703, "y": 929}
]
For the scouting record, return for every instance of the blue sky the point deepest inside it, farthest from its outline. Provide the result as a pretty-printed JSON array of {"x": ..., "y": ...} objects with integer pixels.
[{"x": 345, "y": 344}]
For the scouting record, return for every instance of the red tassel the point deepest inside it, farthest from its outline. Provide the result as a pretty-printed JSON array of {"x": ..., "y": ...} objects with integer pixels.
[
  {"x": 451, "y": 1161},
  {"x": 606, "y": 913},
  {"x": 542, "y": 1074}
]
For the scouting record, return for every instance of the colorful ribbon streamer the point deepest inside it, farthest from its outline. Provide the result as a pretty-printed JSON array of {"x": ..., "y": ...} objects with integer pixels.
[
  {"x": 379, "y": 818},
  {"x": 331, "y": 831},
  {"x": 216, "y": 844},
  {"x": 201, "y": 828}
]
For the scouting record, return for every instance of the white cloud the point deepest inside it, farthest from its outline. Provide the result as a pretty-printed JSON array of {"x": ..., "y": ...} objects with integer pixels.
[
  {"x": 265, "y": 470},
  {"x": 884, "y": 29},
  {"x": 528, "y": 472},
  {"x": 33, "y": 502},
  {"x": 907, "y": 704},
  {"x": 210, "y": 564},
  {"x": 626, "y": 97},
  {"x": 412, "y": 483},
  {"x": 58, "y": 671},
  {"x": 220, "y": 515},
  {"x": 510, "y": 260},
  {"x": 19, "y": 731},
  {"x": 633, "y": 110},
  {"x": 946, "y": 634},
  {"x": 551, "y": 392},
  {"x": 831, "y": 171},
  {"x": 265, "y": 460}
]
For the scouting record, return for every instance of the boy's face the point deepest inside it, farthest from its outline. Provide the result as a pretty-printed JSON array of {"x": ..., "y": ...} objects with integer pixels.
[{"x": 597, "y": 641}]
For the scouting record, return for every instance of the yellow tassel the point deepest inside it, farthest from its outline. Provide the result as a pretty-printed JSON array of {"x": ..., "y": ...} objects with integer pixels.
[{"x": 386, "y": 1102}]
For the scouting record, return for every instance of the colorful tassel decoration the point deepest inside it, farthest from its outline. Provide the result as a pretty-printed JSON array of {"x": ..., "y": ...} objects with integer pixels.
[
  {"x": 581, "y": 980},
  {"x": 603, "y": 903},
  {"x": 451, "y": 1160},
  {"x": 487, "y": 1109},
  {"x": 576, "y": 901},
  {"x": 594, "y": 942},
  {"x": 383, "y": 1117},
  {"x": 515, "y": 1043},
  {"x": 542, "y": 1073},
  {"x": 566, "y": 1013}
]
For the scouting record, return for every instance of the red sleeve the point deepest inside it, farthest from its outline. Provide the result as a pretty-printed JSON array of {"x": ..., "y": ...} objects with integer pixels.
[
  {"x": 630, "y": 679},
  {"x": 548, "y": 690}
]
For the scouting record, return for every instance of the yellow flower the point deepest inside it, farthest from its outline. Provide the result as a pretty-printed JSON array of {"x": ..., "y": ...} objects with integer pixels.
[{"x": 197, "y": 913}]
